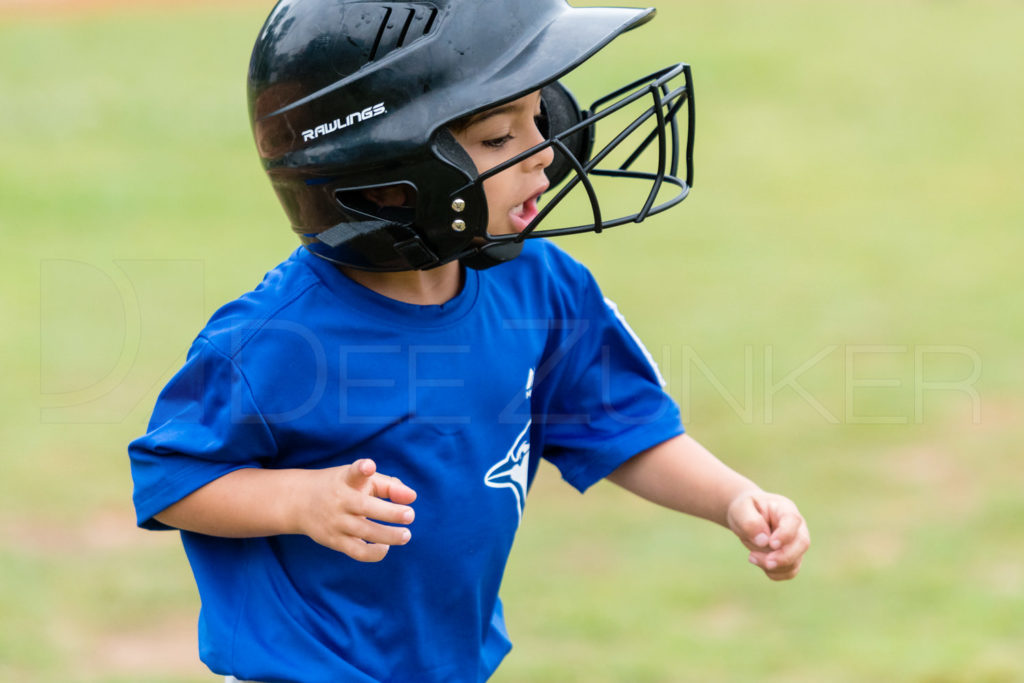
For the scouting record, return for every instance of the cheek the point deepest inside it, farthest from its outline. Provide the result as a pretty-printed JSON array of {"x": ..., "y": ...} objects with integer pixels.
[{"x": 492, "y": 189}]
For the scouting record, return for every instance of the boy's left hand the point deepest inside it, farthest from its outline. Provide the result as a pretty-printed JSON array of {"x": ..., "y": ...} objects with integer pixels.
[{"x": 771, "y": 527}]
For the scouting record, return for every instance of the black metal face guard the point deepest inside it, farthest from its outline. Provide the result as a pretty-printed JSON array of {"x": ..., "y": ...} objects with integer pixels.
[{"x": 666, "y": 102}]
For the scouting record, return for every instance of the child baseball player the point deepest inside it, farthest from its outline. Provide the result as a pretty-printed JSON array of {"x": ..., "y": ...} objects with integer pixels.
[{"x": 348, "y": 448}]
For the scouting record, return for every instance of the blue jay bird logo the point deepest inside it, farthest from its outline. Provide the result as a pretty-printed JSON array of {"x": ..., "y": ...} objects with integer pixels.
[{"x": 511, "y": 471}]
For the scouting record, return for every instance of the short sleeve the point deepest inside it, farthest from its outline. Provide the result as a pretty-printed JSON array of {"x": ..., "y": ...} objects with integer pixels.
[
  {"x": 603, "y": 399},
  {"x": 205, "y": 424}
]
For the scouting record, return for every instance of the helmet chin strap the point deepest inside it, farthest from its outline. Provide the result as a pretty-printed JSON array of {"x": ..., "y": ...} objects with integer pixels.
[{"x": 493, "y": 255}]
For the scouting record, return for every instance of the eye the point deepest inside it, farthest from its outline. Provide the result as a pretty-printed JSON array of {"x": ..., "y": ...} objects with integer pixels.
[{"x": 497, "y": 143}]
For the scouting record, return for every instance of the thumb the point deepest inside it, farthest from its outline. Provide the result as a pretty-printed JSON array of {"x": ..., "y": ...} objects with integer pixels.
[
  {"x": 359, "y": 473},
  {"x": 749, "y": 521}
]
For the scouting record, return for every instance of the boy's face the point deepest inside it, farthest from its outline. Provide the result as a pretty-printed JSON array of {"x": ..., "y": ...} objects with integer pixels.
[{"x": 497, "y": 135}]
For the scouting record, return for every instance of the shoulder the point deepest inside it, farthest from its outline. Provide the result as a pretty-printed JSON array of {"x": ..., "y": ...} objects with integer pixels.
[
  {"x": 279, "y": 296},
  {"x": 542, "y": 282},
  {"x": 544, "y": 261},
  {"x": 546, "y": 254}
]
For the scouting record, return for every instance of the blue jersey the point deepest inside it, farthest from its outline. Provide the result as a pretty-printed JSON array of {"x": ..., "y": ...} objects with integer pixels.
[{"x": 459, "y": 401}]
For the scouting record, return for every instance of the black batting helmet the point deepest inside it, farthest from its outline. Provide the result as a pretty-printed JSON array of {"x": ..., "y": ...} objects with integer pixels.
[{"x": 347, "y": 95}]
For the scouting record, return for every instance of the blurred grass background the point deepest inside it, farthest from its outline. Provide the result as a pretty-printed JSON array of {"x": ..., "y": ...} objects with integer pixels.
[{"x": 837, "y": 308}]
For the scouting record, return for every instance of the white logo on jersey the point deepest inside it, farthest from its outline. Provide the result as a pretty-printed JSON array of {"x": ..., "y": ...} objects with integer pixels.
[{"x": 511, "y": 471}]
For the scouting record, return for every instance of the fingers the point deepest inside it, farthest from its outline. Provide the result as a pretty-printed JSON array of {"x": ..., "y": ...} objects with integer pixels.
[
  {"x": 381, "y": 510},
  {"x": 785, "y": 524},
  {"x": 364, "y": 540},
  {"x": 771, "y": 527},
  {"x": 749, "y": 522},
  {"x": 362, "y": 475},
  {"x": 373, "y": 533},
  {"x": 775, "y": 572},
  {"x": 393, "y": 489},
  {"x": 362, "y": 551},
  {"x": 358, "y": 473},
  {"x": 780, "y": 558},
  {"x": 359, "y": 522}
]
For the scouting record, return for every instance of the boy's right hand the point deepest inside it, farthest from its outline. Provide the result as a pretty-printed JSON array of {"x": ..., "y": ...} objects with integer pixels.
[{"x": 340, "y": 503}]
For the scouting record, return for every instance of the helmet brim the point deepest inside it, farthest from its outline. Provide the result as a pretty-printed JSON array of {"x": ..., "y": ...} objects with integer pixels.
[{"x": 559, "y": 45}]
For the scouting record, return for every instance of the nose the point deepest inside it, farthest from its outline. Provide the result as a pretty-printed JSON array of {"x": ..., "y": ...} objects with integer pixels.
[{"x": 542, "y": 158}]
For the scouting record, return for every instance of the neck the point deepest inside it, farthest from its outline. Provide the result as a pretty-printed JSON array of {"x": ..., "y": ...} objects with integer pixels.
[{"x": 422, "y": 287}]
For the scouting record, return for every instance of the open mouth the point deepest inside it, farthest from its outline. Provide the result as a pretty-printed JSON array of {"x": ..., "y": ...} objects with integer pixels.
[{"x": 523, "y": 214}]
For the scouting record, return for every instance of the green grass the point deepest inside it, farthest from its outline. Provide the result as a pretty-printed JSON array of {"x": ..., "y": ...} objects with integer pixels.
[{"x": 855, "y": 226}]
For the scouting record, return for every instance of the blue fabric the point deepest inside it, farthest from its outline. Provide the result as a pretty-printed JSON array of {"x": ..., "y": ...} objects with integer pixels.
[{"x": 312, "y": 370}]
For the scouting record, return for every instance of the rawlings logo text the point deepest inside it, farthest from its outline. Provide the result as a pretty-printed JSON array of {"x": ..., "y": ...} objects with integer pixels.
[{"x": 338, "y": 124}]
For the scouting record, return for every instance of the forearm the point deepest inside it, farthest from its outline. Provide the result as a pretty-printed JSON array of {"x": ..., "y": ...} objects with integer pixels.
[
  {"x": 683, "y": 475},
  {"x": 244, "y": 503},
  {"x": 351, "y": 508}
]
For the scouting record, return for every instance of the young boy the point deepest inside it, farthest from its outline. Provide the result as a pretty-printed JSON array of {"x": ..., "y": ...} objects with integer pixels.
[{"x": 348, "y": 448}]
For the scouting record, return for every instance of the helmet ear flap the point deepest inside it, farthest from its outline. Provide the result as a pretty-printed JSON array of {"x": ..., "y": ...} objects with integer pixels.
[{"x": 559, "y": 113}]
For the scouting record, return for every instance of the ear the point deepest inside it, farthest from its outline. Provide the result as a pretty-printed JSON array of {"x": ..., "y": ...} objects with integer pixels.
[
  {"x": 559, "y": 112},
  {"x": 389, "y": 195}
]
